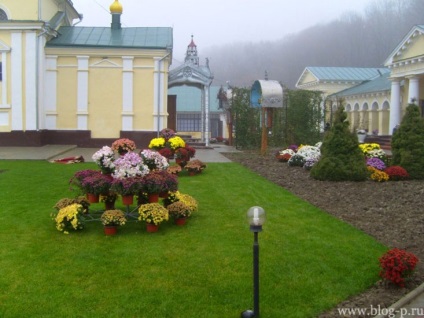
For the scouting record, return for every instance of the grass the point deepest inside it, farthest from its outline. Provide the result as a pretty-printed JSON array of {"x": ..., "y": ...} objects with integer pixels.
[{"x": 309, "y": 260}]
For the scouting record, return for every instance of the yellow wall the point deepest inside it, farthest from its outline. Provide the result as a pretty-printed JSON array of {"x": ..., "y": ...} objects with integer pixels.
[
  {"x": 66, "y": 93},
  {"x": 28, "y": 9},
  {"x": 415, "y": 49},
  {"x": 105, "y": 102}
]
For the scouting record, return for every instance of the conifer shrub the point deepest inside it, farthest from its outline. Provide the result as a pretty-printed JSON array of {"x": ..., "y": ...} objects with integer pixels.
[
  {"x": 341, "y": 157},
  {"x": 408, "y": 143}
]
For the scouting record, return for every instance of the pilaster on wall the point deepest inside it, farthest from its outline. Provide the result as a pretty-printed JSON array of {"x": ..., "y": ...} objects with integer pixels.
[
  {"x": 50, "y": 93},
  {"x": 16, "y": 81},
  {"x": 127, "y": 93},
  {"x": 82, "y": 93},
  {"x": 159, "y": 115},
  {"x": 31, "y": 116}
]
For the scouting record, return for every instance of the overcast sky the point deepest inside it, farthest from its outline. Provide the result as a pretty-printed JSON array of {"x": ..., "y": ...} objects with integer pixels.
[{"x": 220, "y": 21}]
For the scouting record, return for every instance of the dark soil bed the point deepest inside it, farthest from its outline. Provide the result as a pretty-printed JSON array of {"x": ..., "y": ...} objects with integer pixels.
[{"x": 391, "y": 212}]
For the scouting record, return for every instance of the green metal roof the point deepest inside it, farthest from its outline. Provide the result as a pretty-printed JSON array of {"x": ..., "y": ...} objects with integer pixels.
[
  {"x": 189, "y": 98},
  {"x": 346, "y": 73},
  {"x": 378, "y": 84},
  {"x": 141, "y": 37}
]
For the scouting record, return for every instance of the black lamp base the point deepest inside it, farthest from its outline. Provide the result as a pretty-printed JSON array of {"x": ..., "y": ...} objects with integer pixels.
[{"x": 247, "y": 314}]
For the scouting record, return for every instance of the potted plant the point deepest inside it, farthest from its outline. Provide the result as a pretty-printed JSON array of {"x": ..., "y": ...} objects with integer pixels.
[
  {"x": 167, "y": 153},
  {"x": 182, "y": 156},
  {"x": 361, "y": 133},
  {"x": 153, "y": 214},
  {"x": 153, "y": 160},
  {"x": 76, "y": 180},
  {"x": 82, "y": 200},
  {"x": 179, "y": 211},
  {"x": 154, "y": 182},
  {"x": 94, "y": 185},
  {"x": 195, "y": 166},
  {"x": 111, "y": 219},
  {"x": 157, "y": 143},
  {"x": 105, "y": 158},
  {"x": 123, "y": 145},
  {"x": 167, "y": 133},
  {"x": 109, "y": 200},
  {"x": 130, "y": 165},
  {"x": 175, "y": 169},
  {"x": 70, "y": 217},
  {"x": 127, "y": 188}
]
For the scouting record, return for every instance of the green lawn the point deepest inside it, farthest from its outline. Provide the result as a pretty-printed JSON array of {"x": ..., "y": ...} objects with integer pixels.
[{"x": 309, "y": 261}]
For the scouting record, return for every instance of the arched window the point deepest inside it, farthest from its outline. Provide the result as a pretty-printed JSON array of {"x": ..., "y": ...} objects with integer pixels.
[{"x": 3, "y": 15}]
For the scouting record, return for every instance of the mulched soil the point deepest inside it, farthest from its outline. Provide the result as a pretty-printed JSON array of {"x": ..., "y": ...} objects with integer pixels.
[{"x": 392, "y": 212}]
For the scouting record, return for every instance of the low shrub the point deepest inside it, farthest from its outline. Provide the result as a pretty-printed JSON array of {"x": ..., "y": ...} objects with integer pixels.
[
  {"x": 377, "y": 175},
  {"x": 396, "y": 173},
  {"x": 397, "y": 265}
]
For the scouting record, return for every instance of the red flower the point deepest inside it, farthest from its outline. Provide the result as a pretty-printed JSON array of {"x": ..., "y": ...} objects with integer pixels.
[{"x": 397, "y": 265}]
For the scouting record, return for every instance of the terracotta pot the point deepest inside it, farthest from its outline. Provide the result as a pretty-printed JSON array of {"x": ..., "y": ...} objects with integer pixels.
[
  {"x": 110, "y": 230},
  {"x": 153, "y": 197},
  {"x": 110, "y": 205},
  {"x": 180, "y": 221},
  {"x": 93, "y": 198},
  {"x": 151, "y": 228},
  {"x": 127, "y": 199}
]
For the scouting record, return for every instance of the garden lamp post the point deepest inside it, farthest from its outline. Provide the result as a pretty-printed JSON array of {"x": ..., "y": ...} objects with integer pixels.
[{"x": 256, "y": 217}]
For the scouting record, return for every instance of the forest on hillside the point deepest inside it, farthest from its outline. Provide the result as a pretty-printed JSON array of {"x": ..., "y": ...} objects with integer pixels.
[{"x": 353, "y": 40}]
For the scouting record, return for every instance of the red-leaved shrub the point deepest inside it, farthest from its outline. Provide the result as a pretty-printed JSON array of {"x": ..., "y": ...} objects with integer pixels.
[
  {"x": 396, "y": 265},
  {"x": 396, "y": 173}
]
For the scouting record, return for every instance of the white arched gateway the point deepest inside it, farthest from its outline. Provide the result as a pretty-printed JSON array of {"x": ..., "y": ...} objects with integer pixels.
[{"x": 191, "y": 73}]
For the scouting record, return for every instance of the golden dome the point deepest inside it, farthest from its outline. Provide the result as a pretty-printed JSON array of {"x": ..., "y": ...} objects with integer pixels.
[{"x": 116, "y": 7}]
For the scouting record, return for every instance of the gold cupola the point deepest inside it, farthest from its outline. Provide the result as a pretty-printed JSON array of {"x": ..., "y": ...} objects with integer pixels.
[{"x": 116, "y": 8}]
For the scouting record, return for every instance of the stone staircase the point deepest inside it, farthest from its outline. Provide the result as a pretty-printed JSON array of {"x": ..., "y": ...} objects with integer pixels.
[
  {"x": 192, "y": 142},
  {"x": 385, "y": 142}
]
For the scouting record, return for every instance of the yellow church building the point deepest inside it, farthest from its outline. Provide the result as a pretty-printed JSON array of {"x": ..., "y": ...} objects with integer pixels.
[
  {"x": 375, "y": 99},
  {"x": 66, "y": 84}
]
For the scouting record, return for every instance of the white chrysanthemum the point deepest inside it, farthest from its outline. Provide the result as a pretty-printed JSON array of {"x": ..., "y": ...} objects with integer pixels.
[
  {"x": 287, "y": 151},
  {"x": 310, "y": 152}
]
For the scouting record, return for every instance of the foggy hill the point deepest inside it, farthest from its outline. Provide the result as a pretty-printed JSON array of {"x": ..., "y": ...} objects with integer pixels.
[{"x": 353, "y": 40}]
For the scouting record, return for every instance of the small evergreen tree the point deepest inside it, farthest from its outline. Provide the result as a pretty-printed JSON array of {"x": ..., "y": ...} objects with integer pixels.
[
  {"x": 341, "y": 157},
  {"x": 408, "y": 143}
]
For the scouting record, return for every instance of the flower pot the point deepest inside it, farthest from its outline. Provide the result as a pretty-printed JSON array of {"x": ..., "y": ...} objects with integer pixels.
[
  {"x": 93, "y": 198},
  {"x": 110, "y": 205},
  {"x": 127, "y": 199},
  {"x": 361, "y": 138},
  {"x": 151, "y": 228},
  {"x": 163, "y": 195},
  {"x": 153, "y": 197},
  {"x": 180, "y": 221},
  {"x": 181, "y": 162},
  {"x": 110, "y": 230}
]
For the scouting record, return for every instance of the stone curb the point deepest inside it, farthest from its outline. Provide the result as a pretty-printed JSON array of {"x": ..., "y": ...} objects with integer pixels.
[{"x": 404, "y": 300}]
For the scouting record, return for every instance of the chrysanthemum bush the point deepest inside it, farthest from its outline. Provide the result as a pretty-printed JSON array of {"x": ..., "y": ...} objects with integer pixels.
[
  {"x": 153, "y": 160},
  {"x": 123, "y": 144},
  {"x": 376, "y": 163},
  {"x": 397, "y": 173},
  {"x": 130, "y": 165},
  {"x": 179, "y": 210},
  {"x": 153, "y": 213},
  {"x": 105, "y": 158},
  {"x": 69, "y": 218},
  {"x": 377, "y": 175},
  {"x": 397, "y": 265},
  {"x": 113, "y": 218}
]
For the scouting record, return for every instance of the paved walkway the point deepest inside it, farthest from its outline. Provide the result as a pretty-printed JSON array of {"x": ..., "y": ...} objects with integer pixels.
[
  {"x": 412, "y": 305},
  {"x": 52, "y": 152}
]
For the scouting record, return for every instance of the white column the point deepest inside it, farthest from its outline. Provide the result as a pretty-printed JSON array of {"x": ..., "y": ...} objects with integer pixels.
[
  {"x": 159, "y": 89},
  {"x": 16, "y": 81},
  {"x": 31, "y": 81},
  {"x": 50, "y": 93},
  {"x": 207, "y": 88},
  {"x": 128, "y": 93},
  {"x": 414, "y": 90},
  {"x": 4, "y": 80},
  {"x": 82, "y": 93},
  {"x": 394, "y": 104}
]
